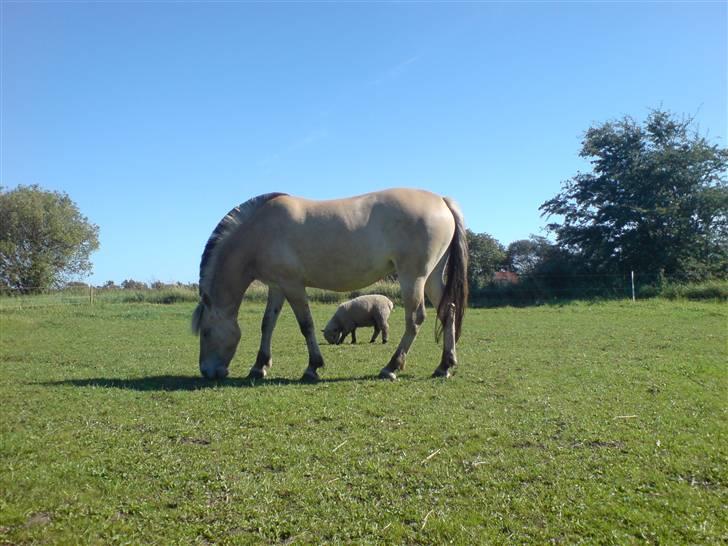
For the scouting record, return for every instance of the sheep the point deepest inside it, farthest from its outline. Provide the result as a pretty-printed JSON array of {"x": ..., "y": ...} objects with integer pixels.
[{"x": 369, "y": 310}]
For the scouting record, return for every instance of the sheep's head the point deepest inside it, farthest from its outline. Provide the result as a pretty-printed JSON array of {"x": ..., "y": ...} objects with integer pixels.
[{"x": 332, "y": 332}]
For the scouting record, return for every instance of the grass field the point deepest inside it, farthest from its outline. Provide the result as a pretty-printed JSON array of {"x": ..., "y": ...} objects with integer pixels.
[{"x": 595, "y": 423}]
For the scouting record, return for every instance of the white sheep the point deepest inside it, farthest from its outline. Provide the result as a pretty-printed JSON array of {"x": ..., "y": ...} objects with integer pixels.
[{"x": 369, "y": 310}]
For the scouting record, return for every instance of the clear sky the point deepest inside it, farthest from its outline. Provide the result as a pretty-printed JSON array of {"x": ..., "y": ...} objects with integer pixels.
[{"x": 158, "y": 117}]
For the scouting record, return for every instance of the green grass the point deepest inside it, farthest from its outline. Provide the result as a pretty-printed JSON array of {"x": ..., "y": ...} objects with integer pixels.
[{"x": 594, "y": 423}]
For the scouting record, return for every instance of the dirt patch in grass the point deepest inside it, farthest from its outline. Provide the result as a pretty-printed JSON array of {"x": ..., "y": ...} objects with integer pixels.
[{"x": 39, "y": 518}]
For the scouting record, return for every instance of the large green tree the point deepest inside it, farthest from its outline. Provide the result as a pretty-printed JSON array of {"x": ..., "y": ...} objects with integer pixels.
[
  {"x": 44, "y": 239},
  {"x": 485, "y": 256},
  {"x": 525, "y": 255},
  {"x": 656, "y": 200}
]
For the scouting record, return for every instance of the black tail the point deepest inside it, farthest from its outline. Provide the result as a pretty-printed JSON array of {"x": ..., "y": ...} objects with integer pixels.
[{"x": 456, "y": 274}]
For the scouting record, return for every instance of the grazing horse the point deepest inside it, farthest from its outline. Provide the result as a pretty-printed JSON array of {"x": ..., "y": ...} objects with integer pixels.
[{"x": 289, "y": 243}]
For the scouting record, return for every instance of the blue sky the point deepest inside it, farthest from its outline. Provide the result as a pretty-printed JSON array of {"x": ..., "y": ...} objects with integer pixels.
[{"x": 158, "y": 117}]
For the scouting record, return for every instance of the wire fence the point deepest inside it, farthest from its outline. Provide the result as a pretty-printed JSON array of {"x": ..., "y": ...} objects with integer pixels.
[
  {"x": 167, "y": 294},
  {"x": 33, "y": 297},
  {"x": 538, "y": 289},
  {"x": 513, "y": 290}
]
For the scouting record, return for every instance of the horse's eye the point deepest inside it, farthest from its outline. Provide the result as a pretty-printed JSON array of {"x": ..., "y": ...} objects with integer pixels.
[{"x": 206, "y": 333}]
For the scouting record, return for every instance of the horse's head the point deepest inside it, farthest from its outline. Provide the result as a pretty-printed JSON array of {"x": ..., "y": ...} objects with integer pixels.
[{"x": 219, "y": 336}]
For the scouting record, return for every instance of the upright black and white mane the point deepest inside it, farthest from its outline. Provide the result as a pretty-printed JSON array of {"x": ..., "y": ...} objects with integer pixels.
[
  {"x": 224, "y": 228},
  {"x": 231, "y": 221}
]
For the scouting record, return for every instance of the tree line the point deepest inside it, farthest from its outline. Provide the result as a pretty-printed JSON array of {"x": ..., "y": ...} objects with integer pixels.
[{"x": 654, "y": 202}]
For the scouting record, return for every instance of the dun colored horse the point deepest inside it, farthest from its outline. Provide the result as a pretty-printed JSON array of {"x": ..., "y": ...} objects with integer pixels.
[{"x": 289, "y": 243}]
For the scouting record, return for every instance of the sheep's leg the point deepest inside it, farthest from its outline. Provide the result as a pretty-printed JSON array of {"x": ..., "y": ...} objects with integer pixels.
[
  {"x": 414, "y": 312},
  {"x": 380, "y": 325},
  {"x": 296, "y": 296},
  {"x": 434, "y": 287},
  {"x": 353, "y": 336},
  {"x": 264, "y": 361}
]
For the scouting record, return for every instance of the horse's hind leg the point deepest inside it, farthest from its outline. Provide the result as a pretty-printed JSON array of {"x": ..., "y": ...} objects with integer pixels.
[
  {"x": 299, "y": 303},
  {"x": 264, "y": 360},
  {"x": 413, "y": 297},
  {"x": 449, "y": 358},
  {"x": 434, "y": 288}
]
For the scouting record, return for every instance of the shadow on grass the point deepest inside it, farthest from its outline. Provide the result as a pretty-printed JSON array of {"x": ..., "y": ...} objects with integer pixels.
[{"x": 188, "y": 383}]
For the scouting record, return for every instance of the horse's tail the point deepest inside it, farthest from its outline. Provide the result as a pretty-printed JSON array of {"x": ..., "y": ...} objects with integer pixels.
[{"x": 456, "y": 274}]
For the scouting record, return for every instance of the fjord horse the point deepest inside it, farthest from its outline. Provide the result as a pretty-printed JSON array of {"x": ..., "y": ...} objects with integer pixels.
[{"x": 290, "y": 243}]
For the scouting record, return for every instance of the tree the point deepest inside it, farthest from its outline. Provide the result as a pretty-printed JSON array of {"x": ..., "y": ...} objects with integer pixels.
[
  {"x": 524, "y": 256},
  {"x": 131, "y": 284},
  {"x": 656, "y": 201},
  {"x": 486, "y": 256},
  {"x": 44, "y": 239}
]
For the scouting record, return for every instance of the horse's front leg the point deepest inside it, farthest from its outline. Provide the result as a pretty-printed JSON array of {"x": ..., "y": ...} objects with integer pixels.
[
  {"x": 264, "y": 359},
  {"x": 299, "y": 303}
]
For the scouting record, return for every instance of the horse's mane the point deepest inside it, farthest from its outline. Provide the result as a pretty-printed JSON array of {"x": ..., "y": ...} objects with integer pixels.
[{"x": 224, "y": 228}]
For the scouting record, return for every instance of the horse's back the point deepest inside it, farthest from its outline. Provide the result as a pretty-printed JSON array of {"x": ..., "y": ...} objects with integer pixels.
[
  {"x": 388, "y": 210},
  {"x": 348, "y": 243}
]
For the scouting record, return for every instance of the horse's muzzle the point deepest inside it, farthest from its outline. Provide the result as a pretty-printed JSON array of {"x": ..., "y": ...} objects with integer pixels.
[{"x": 217, "y": 372}]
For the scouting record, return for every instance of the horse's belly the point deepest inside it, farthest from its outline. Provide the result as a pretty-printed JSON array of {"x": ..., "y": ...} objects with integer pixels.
[
  {"x": 331, "y": 268},
  {"x": 345, "y": 276}
]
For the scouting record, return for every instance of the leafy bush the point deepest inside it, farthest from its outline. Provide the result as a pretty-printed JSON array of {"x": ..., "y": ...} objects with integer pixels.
[
  {"x": 709, "y": 290},
  {"x": 648, "y": 291}
]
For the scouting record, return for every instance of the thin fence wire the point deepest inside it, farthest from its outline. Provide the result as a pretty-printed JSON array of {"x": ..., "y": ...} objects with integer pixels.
[
  {"x": 257, "y": 292},
  {"x": 536, "y": 287},
  {"x": 523, "y": 290}
]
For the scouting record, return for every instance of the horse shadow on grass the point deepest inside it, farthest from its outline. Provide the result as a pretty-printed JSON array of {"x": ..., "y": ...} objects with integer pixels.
[{"x": 190, "y": 383}]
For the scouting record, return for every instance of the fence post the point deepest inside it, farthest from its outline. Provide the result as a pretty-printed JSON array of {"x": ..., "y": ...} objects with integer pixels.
[{"x": 632, "y": 275}]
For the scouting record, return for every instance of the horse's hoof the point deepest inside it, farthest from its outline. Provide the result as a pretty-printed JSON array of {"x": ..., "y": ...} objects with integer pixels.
[
  {"x": 386, "y": 373},
  {"x": 310, "y": 376},
  {"x": 257, "y": 373},
  {"x": 439, "y": 372}
]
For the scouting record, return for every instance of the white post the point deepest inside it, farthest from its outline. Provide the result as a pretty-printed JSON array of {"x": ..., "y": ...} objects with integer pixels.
[{"x": 633, "y": 298}]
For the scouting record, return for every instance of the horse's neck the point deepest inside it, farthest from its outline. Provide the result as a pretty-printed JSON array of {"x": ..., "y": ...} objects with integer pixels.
[
  {"x": 227, "y": 298},
  {"x": 230, "y": 279}
]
